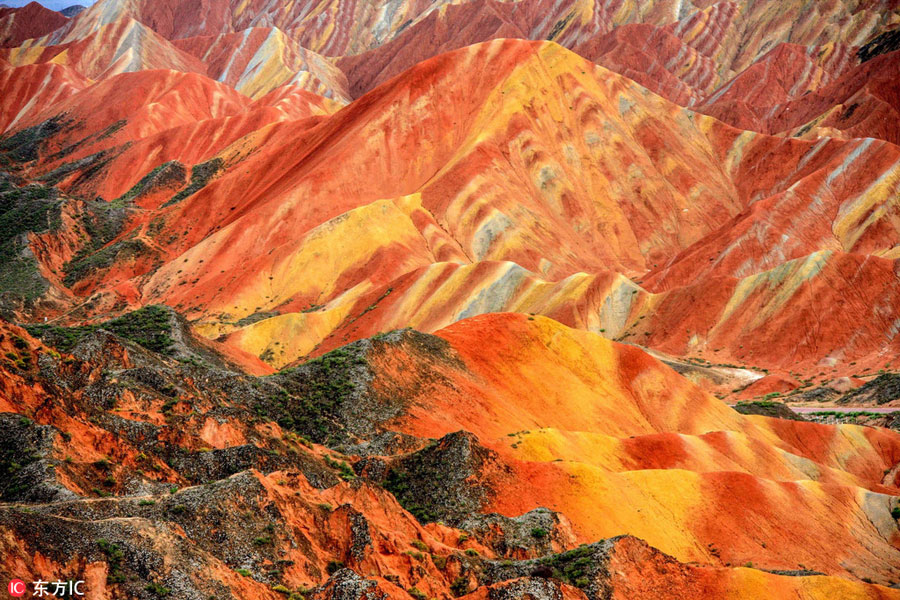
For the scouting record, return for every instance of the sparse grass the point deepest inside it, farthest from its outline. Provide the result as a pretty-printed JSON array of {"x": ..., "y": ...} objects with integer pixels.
[
  {"x": 114, "y": 558},
  {"x": 417, "y": 593},
  {"x": 346, "y": 471},
  {"x": 158, "y": 589},
  {"x": 571, "y": 567},
  {"x": 312, "y": 395},
  {"x": 460, "y": 586},
  {"x": 200, "y": 176},
  {"x": 149, "y": 326},
  {"x": 23, "y": 210}
]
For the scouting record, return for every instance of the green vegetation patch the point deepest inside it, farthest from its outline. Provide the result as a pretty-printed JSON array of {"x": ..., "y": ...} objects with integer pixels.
[
  {"x": 102, "y": 222},
  {"x": 847, "y": 414},
  {"x": 23, "y": 210},
  {"x": 313, "y": 394},
  {"x": 86, "y": 263},
  {"x": 767, "y": 408},
  {"x": 114, "y": 558},
  {"x": 150, "y": 327},
  {"x": 165, "y": 175},
  {"x": 25, "y": 145},
  {"x": 405, "y": 490},
  {"x": 200, "y": 175},
  {"x": 573, "y": 567}
]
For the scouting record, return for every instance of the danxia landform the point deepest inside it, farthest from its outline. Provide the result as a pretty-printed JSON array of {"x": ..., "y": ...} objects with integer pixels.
[{"x": 332, "y": 300}]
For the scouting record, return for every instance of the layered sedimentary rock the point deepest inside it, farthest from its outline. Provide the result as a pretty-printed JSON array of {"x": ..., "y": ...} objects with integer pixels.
[
  {"x": 29, "y": 21},
  {"x": 129, "y": 442}
]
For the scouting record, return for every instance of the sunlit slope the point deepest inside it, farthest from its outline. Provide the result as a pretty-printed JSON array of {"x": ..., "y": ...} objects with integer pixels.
[
  {"x": 121, "y": 46},
  {"x": 519, "y": 166},
  {"x": 622, "y": 444},
  {"x": 546, "y": 215},
  {"x": 551, "y": 171},
  {"x": 795, "y": 316},
  {"x": 255, "y": 61},
  {"x": 29, "y": 89}
]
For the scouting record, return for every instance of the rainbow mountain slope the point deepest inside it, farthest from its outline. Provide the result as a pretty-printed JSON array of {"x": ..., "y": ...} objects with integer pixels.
[
  {"x": 29, "y": 21},
  {"x": 258, "y": 60},
  {"x": 338, "y": 300},
  {"x": 408, "y": 476},
  {"x": 680, "y": 190}
]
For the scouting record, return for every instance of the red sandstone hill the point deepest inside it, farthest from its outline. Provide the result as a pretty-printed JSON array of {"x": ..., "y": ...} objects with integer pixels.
[
  {"x": 336, "y": 300},
  {"x": 611, "y": 441},
  {"x": 703, "y": 211},
  {"x": 30, "y": 21}
]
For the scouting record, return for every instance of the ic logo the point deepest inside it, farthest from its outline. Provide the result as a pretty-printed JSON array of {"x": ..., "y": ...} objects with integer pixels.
[{"x": 16, "y": 588}]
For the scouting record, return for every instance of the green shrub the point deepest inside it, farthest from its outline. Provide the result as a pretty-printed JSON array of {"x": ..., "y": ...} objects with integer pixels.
[
  {"x": 460, "y": 586},
  {"x": 158, "y": 589},
  {"x": 346, "y": 471},
  {"x": 114, "y": 558},
  {"x": 149, "y": 327},
  {"x": 571, "y": 567},
  {"x": 417, "y": 593}
]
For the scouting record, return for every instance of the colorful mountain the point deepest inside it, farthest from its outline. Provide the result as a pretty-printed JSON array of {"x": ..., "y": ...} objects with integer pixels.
[
  {"x": 557, "y": 226},
  {"x": 611, "y": 441},
  {"x": 29, "y": 21},
  {"x": 344, "y": 300}
]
